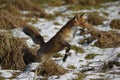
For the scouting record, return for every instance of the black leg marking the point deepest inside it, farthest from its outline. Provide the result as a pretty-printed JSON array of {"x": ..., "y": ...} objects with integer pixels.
[{"x": 67, "y": 51}]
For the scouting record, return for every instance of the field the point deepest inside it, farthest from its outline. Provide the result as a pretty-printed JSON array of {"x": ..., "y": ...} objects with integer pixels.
[{"x": 94, "y": 56}]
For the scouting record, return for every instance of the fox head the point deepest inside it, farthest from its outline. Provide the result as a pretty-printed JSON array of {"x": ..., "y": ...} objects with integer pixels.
[{"x": 80, "y": 21}]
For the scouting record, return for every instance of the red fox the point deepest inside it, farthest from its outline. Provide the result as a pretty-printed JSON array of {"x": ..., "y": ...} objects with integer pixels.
[{"x": 60, "y": 41}]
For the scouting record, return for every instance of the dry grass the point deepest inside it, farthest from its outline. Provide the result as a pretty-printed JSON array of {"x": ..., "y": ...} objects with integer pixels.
[
  {"x": 10, "y": 20},
  {"x": 88, "y": 2},
  {"x": 108, "y": 40},
  {"x": 51, "y": 68},
  {"x": 115, "y": 23},
  {"x": 95, "y": 19},
  {"x": 14, "y": 53},
  {"x": 11, "y": 16},
  {"x": 80, "y": 76},
  {"x": 104, "y": 39},
  {"x": 70, "y": 1}
]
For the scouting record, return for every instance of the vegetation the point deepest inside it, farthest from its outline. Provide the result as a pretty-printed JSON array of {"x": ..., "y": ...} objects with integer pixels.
[
  {"x": 14, "y": 53},
  {"x": 95, "y": 19},
  {"x": 90, "y": 56},
  {"x": 80, "y": 76},
  {"x": 115, "y": 23},
  {"x": 77, "y": 49},
  {"x": 51, "y": 68},
  {"x": 71, "y": 67},
  {"x": 57, "y": 55}
]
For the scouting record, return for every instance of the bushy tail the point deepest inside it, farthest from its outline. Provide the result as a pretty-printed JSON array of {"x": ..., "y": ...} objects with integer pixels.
[{"x": 34, "y": 34}]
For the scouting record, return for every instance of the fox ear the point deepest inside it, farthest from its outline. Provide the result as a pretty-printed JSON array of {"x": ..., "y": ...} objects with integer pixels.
[
  {"x": 84, "y": 16},
  {"x": 76, "y": 18}
]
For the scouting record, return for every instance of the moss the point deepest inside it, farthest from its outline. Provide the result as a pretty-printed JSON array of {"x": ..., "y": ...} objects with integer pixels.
[
  {"x": 77, "y": 49},
  {"x": 90, "y": 56},
  {"x": 71, "y": 67}
]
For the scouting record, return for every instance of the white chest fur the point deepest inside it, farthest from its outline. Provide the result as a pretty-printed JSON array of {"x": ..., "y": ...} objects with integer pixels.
[{"x": 71, "y": 35}]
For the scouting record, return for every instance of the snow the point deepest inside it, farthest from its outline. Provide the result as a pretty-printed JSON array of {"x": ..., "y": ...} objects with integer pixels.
[
  {"x": 48, "y": 29},
  {"x": 6, "y": 74}
]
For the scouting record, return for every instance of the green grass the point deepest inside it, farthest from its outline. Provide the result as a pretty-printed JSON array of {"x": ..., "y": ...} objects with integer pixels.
[
  {"x": 90, "y": 56},
  {"x": 77, "y": 49},
  {"x": 71, "y": 67}
]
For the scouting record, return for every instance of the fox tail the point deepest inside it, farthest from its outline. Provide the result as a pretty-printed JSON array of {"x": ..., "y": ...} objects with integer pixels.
[{"x": 34, "y": 34}]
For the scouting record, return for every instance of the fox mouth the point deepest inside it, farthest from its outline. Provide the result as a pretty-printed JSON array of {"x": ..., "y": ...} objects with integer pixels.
[{"x": 82, "y": 30}]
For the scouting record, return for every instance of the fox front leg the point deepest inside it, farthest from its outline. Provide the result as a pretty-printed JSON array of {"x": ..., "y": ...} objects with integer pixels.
[{"x": 67, "y": 51}]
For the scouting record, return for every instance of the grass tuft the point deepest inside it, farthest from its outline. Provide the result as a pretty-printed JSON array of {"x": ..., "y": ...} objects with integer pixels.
[
  {"x": 90, "y": 56},
  {"x": 71, "y": 67},
  {"x": 57, "y": 55},
  {"x": 115, "y": 23},
  {"x": 51, "y": 68},
  {"x": 77, "y": 49},
  {"x": 95, "y": 19},
  {"x": 80, "y": 76},
  {"x": 14, "y": 52}
]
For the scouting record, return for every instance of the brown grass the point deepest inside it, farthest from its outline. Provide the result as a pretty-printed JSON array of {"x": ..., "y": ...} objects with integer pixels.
[
  {"x": 11, "y": 17},
  {"x": 87, "y": 2},
  {"x": 71, "y": 1},
  {"x": 108, "y": 40},
  {"x": 105, "y": 39},
  {"x": 115, "y": 23},
  {"x": 14, "y": 53},
  {"x": 95, "y": 19},
  {"x": 29, "y": 5},
  {"x": 10, "y": 20},
  {"x": 51, "y": 68}
]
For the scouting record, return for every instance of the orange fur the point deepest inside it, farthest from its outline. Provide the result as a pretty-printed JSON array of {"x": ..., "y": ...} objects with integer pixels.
[{"x": 62, "y": 38}]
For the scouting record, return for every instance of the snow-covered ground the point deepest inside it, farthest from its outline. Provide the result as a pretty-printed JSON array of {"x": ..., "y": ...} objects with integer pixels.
[{"x": 49, "y": 29}]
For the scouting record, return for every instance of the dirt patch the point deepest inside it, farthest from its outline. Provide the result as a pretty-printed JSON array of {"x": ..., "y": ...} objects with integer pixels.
[
  {"x": 14, "y": 53},
  {"x": 115, "y": 23}
]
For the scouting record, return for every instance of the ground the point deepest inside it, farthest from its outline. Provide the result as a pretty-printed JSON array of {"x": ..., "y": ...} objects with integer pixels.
[{"x": 87, "y": 63}]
